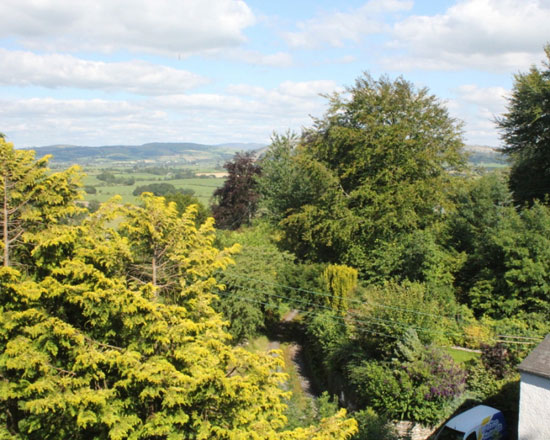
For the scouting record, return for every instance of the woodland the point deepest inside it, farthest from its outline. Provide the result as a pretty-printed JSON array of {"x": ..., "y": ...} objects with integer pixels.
[{"x": 417, "y": 282}]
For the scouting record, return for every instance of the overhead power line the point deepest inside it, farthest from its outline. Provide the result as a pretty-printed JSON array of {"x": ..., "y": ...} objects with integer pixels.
[
  {"x": 361, "y": 319},
  {"x": 328, "y": 295},
  {"x": 339, "y": 318},
  {"x": 356, "y": 319}
]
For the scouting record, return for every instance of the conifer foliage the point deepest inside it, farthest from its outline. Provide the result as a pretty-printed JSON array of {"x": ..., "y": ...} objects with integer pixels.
[
  {"x": 93, "y": 348},
  {"x": 30, "y": 197},
  {"x": 525, "y": 130}
]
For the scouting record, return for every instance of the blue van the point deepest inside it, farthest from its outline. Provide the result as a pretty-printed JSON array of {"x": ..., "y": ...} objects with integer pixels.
[{"x": 479, "y": 423}]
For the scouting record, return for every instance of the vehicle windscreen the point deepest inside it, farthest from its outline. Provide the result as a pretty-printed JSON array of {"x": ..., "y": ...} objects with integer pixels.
[{"x": 450, "y": 434}]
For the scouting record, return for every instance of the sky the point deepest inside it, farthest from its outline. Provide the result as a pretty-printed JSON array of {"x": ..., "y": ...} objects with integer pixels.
[{"x": 108, "y": 72}]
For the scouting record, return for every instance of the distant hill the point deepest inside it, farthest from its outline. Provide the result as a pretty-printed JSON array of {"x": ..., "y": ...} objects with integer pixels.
[
  {"x": 181, "y": 153},
  {"x": 163, "y": 152},
  {"x": 485, "y": 156},
  {"x": 241, "y": 146}
]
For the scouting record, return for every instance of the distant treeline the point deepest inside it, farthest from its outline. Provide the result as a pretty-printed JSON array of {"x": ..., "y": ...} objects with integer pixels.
[
  {"x": 176, "y": 173},
  {"x": 110, "y": 178},
  {"x": 161, "y": 189}
]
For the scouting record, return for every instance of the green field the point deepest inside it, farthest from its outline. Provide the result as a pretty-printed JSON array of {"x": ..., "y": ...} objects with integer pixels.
[
  {"x": 203, "y": 187},
  {"x": 461, "y": 356}
]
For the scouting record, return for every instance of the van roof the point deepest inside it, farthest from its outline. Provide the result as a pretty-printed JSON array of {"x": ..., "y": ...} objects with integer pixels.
[{"x": 468, "y": 420}]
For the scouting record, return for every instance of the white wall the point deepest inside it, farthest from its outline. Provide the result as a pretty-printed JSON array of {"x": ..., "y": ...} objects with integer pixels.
[{"x": 534, "y": 408}]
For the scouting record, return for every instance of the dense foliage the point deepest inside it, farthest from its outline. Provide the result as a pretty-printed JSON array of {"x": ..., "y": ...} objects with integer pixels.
[
  {"x": 236, "y": 201},
  {"x": 251, "y": 299},
  {"x": 378, "y": 164},
  {"x": 108, "y": 333},
  {"x": 392, "y": 233},
  {"x": 30, "y": 197},
  {"x": 158, "y": 189},
  {"x": 525, "y": 133},
  {"x": 506, "y": 267},
  {"x": 417, "y": 384},
  {"x": 375, "y": 248}
]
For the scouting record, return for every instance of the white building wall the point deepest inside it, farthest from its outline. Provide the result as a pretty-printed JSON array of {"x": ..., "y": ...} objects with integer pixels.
[{"x": 534, "y": 408}]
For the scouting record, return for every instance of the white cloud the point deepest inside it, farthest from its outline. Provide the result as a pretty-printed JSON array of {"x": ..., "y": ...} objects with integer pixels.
[
  {"x": 278, "y": 59},
  {"x": 56, "y": 71},
  {"x": 163, "y": 26},
  {"x": 486, "y": 34},
  {"x": 478, "y": 107},
  {"x": 308, "y": 89},
  {"x": 243, "y": 112},
  {"x": 289, "y": 99},
  {"x": 335, "y": 28},
  {"x": 493, "y": 99}
]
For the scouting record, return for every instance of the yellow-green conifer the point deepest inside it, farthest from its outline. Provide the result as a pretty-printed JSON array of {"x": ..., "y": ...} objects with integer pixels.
[{"x": 92, "y": 349}]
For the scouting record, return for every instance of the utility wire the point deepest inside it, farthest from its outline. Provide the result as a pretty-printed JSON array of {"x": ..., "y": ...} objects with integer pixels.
[
  {"x": 340, "y": 318},
  {"x": 351, "y": 300},
  {"x": 328, "y": 295},
  {"x": 361, "y": 319}
]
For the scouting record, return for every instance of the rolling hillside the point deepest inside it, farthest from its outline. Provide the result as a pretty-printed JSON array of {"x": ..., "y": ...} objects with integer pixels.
[{"x": 174, "y": 153}]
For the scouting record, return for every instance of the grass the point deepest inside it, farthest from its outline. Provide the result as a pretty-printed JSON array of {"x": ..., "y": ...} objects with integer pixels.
[
  {"x": 301, "y": 407},
  {"x": 259, "y": 344},
  {"x": 461, "y": 356},
  {"x": 203, "y": 187}
]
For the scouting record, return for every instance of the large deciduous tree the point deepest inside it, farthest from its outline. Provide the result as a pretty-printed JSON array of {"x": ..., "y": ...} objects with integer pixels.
[
  {"x": 237, "y": 200},
  {"x": 525, "y": 130},
  {"x": 381, "y": 160}
]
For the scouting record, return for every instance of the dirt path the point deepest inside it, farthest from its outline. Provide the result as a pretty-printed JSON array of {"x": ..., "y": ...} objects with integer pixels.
[
  {"x": 289, "y": 316},
  {"x": 299, "y": 364},
  {"x": 296, "y": 354}
]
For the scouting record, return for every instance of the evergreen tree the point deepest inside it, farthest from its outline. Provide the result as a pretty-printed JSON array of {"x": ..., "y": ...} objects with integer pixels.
[
  {"x": 89, "y": 350},
  {"x": 30, "y": 197},
  {"x": 340, "y": 281},
  {"x": 525, "y": 129}
]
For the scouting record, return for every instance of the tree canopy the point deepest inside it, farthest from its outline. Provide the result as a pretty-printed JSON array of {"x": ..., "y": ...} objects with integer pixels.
[
  {"x": 377, "y": 164},
  {"x": 525, "y": 130},
  {"x": 95, "y": 344},
  {"x": 237, "y": 200},
  {"x": 30, "y": 196}
]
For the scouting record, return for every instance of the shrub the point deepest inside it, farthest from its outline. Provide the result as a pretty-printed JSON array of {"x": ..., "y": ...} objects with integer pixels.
[
  {"x": 373, "y": 426},
  {"x": 420, "y": 389}
]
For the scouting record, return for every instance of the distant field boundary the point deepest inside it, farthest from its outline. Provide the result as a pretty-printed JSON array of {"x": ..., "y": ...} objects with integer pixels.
[{"x": 218, "y": 175}]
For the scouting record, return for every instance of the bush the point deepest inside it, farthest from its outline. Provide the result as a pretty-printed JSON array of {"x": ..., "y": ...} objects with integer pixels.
[
  {"x": 93, "y": 205},
  {"x": 106, "y": 176},
  {"x": 421, "y": 386},
  {"x": 373, "y": 426},
  {"x": 391, "y": 309}
]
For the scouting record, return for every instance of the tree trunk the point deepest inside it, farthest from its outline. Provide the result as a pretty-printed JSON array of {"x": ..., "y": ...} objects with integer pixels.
[
  {"x": 154, "y": 270},
  {"x": 5, "y": 225}
]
